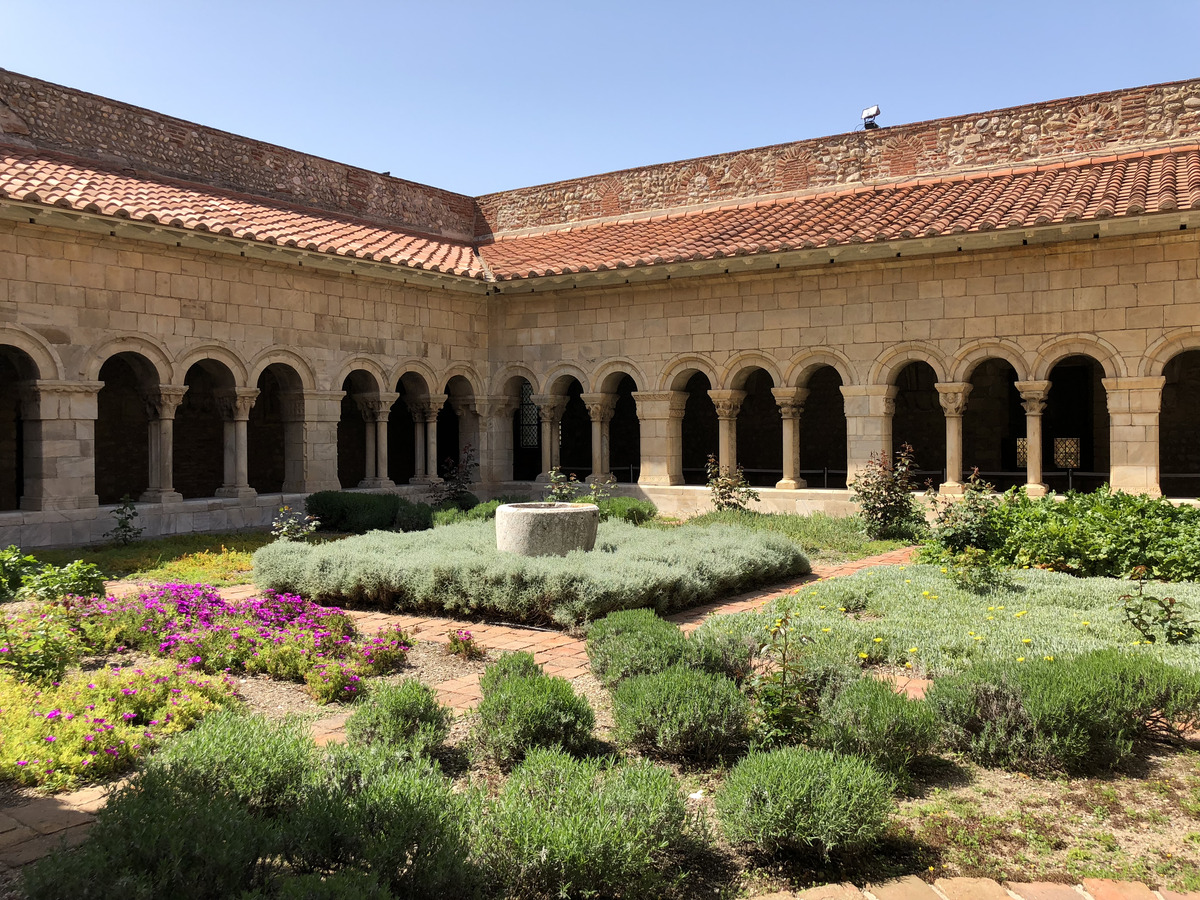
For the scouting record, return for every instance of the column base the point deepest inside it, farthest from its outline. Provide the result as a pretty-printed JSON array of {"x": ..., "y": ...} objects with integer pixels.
[
  {"x": 951, "y": 489},
  {"x": 543, "y": 478},
  {"x": 1037, "y": 490},
  {"x": 791, "y": 484},
  {"x": 236, "y": 492},
  {"x": 157, "y": 495},
  {"x": 377, "y": 483}
]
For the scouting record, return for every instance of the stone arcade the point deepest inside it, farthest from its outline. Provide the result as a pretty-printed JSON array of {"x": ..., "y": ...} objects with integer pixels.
[{"x": 215, "y": 325}]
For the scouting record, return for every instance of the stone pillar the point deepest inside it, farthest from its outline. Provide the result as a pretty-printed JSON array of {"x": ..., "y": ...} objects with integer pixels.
[
  {"x": 660, "y": 416},
  {"x": 235, "y": 404},
  {"x": 495, "y": 438},
  {"x": 1133, "y": 408},
  {"x": 869, "y": 411},
  {"x": 791, "y": 407},
  {"x": 550, "y": 412},
  {"x": 161, "y": 404},
  {"x": 600, "y": 409},
  {"x": 468, "y": 424},
  {"x": 375, "y": 409},
  {"x": 1033, "y": 398},
  {"x": 728, "y": 404},
  {"x": 953, "y": 396},
  {"x": 318, "y": 413},
  {"x": 60, "y": 444},
  {"x": 425, "y": 414}
]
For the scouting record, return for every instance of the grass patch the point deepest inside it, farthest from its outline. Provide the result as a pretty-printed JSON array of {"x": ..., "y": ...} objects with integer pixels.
[
  {"x": 827, "y": 539},
  {"x": 457, "y": 570},
  {"x": 216, "y": 559}
]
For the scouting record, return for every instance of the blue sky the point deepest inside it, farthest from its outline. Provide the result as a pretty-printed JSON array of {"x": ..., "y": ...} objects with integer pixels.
[{"x": 477, "y": 97}]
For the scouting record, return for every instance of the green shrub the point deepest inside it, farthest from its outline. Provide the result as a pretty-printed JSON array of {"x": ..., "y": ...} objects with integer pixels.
[
  {"x": 49, "y": 583},
  {"x": 883, "y": 492},
  {"x": 627, "y": 509},
  {"x": 399, "y": 819},
  {"x": 681, "y": 712},
  {"x": 403, "y": 717},
  {"x": 480, "y": 512},
  {"x": 568, "y": 828},
  {"x": 153, "y": 839},
  {"x": 352, "y": 511},
  {"x": 868, "y": 718},
  {"x": 1102, "y": 533},
  {"x": 520, "y": 664},
  {"x": 13, "y": 570},
  {"x": 412, "y": 516},
  {"x": 458, "y": 571},
  {"x": 40, "y": 645},
  {"x": 720, "y": 650},
  {"x": 633, "y": 642},
  {"x": 263, "y": 765},
  {"x": 346, "y": 884},
  {"x": 967, "y": 521},
  {"x": 801, "y": 799},
  {"x": 520, "y": 712},
  {"x": 1076, "y": 715}
]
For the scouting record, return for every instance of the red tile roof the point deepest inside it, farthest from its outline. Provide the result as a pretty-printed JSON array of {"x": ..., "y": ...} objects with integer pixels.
[
  {"x": 53, "y": 180},
  {"x": 1089, "y": 189},
  {"x": 1097, "y": 188}
]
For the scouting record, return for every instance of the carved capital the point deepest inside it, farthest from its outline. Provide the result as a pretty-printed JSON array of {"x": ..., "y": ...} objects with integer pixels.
[
  {"x": 373, "y": 408},
  {"x": 550, "y": 407},
  {"x": 600, "y": 406},
  {"x": 728, "y": 403},
  {"x": 162, "y": 402},
  {"x": 790, "y": 401},
  {"x": 660, "y": 404},
  {"x": 500, "y": 407},
  {"x": 235, "y": 403},
  {"x": 425, "y": 409},
  {"x": 953, "y": 396},
  {"x": 1033, "y": 396}
]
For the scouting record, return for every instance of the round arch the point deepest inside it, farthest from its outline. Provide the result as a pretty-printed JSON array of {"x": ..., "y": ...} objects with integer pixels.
[
  {"x": 888, "y": 365},
  {"x": 738, "y": 369},
  {"x": 1053, "y": 352},
  {"x": 361, "y": 364},
  {"x": 676, "y": 373},
  {"x": 556, "y": 377},
  {"x": 416, "y": 367},
  {"x": 283, "y": 355},
  {"x": 611, "y": 371},
  {"x": 33, "y": 345},
  {"x": 806, "y": 363},
  {"x": 217, "y": 353},
  {"x": 503, "y": 380},
  {"x": 465, "y": 372},
  {"x": 152, "y": 351},
  {"x": 973, "y": 354},
  {"x": 1166, "y": 348}
]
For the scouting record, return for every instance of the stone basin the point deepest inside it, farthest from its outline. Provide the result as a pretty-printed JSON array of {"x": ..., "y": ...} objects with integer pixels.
[{"x": 546, "y": 529}]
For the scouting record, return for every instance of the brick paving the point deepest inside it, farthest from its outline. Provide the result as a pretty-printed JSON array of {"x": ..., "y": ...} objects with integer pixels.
[{"x": 32, "y": 829}]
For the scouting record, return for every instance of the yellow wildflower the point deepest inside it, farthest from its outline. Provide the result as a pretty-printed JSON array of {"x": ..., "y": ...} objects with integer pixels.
[
  {"x": 827, "y": 630},
  {"x": 862, "y": 656},
  {"x": 912, "y": 649},
  {"x": 879, "y": 640},
  {"x": 1021, "y": 613},
  {"x": 1026, "y": 641},
  {"x": 1048, "y": 658},
  {"x": 1020, "y": 659}
]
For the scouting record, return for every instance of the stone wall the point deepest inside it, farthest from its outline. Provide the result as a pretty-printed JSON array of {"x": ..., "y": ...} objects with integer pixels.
[
  {"x": 1093, "y": 125},
  {"x": 49, "y": 116}
]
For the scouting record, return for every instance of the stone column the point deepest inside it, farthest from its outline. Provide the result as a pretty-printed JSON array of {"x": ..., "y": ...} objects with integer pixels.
[
  {"x": 161, "y": 405},
  {"x": 600, "y": 409},
  {"x": 1033, "y": 398},
  {"x": 953, "y": 396},
  {"x": 791, "y": 407},
  {"x": 425, "y": 414},
  {"x": 375, "y": 409},
  {"x": 319, "y": 413},
  {"x": 550, "y": 412},
  {"x": 660, "y": 416},
  {"x": 60, "y": 444},
  {"x": 235, "y": 404},
  {"x": 495, "y": 438},
  {"x": 468, "y": 424},
  {"x": 729, "y": 404},
  {"x": 1133, "y": 408},
  {"x": 869, "y": 411}
]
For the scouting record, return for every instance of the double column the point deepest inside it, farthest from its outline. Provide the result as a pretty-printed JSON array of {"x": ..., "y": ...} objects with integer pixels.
[
  {"x": 235, "y": 404},
  {"x": 375, "y": 409},
  {"x": 791, "y": 406},
  {"x": 600, "y": 409},
  {"x": 728, "y": 404},
  {"x": 953, "y": 397},
  {"x": 550, "y": 413},
  {"x": 424, "y": 411},
  {"x": 1033, "y": 399},
  {"x": 161, "y": 405}
]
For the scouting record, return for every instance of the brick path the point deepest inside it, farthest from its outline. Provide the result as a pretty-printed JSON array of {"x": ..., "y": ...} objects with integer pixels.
[{"x": 914, "y": 888}]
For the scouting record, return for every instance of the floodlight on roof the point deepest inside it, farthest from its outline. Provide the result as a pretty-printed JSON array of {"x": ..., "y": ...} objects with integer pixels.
[{"x": 868, "y": 116}]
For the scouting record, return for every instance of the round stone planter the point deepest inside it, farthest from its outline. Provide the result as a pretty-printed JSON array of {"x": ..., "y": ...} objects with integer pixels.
[{"x": 546, "y": 529}]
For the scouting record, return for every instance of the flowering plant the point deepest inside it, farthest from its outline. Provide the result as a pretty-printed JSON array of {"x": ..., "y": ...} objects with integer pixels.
[{"x": 462, "y": 643}]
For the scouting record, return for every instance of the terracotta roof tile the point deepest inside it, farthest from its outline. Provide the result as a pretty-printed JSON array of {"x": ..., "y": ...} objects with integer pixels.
[
  {"x": 61, "y": 181},
  {"x": 1131, "y": 184}
]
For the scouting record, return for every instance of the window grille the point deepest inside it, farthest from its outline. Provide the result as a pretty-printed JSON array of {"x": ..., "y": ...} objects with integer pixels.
[{"x": 528, "y": 420}]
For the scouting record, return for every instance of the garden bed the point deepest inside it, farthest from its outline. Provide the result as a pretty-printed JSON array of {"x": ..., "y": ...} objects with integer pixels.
[{"x": 457, "y": 571}]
